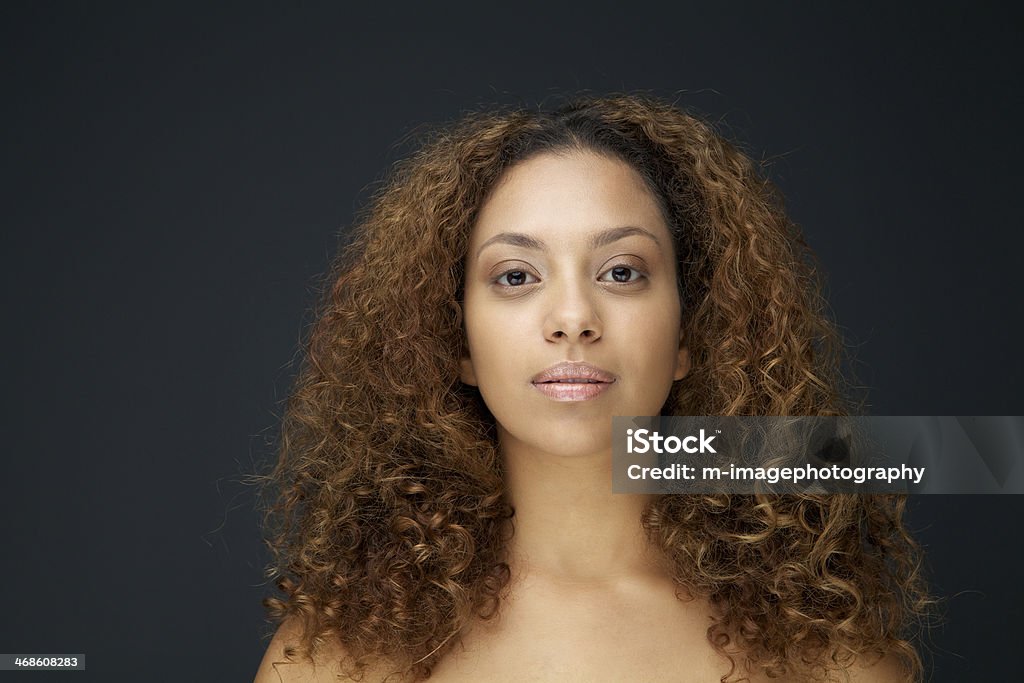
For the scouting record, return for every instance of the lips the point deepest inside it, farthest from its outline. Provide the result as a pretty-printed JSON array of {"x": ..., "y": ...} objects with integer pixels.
[{"x": 569, "y": 381}]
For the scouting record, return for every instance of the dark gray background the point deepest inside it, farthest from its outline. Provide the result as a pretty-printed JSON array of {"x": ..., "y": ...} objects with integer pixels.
[{"x": 174, "y": 179}]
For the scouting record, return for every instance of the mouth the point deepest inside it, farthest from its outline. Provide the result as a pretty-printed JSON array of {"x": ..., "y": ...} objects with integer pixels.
[{"x": 568, "y": 381}]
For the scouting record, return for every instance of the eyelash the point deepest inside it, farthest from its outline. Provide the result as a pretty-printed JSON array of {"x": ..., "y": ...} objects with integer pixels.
[{"x": 633, "y": 270}]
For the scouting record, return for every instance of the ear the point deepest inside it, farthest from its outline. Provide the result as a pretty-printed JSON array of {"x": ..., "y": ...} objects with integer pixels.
[
  {"x": 466, "y": 371},
  {"x": 683, "y": 362}
]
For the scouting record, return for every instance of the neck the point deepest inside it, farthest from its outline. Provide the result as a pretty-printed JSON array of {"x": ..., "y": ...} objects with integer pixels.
[{"x": 568, "y": 523}]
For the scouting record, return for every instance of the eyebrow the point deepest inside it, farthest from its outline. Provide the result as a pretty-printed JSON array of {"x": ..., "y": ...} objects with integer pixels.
[{"x": 601, "y": 239}]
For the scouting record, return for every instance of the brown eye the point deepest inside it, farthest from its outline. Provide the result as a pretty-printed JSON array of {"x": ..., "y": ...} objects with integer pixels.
[
  {"x": 623, "y": 274},
  {"x": 514, "y": 278}
]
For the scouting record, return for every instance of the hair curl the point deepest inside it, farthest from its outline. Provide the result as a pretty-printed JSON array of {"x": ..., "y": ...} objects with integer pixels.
[{"x": 389, "y": 519}]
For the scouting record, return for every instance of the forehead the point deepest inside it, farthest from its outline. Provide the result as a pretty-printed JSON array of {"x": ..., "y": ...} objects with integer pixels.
[{"x": 566, "y": 195}]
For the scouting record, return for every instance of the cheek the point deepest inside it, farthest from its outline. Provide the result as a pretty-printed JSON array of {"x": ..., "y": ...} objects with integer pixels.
[
  {"x": 495, "y": 348},
  {"x": 494, "y": 335},
  {"x": 656, "y": 330},
  {"x": 656, "y": 325}
]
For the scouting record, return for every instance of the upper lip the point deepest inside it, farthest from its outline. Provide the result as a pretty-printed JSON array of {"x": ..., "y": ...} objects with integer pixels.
[{"x": 568, "y": 370}]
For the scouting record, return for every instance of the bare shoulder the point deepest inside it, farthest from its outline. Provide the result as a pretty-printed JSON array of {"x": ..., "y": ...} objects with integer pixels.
[
  {"x": 277, "y": 667},
  {"x": 887, "y": 670}
]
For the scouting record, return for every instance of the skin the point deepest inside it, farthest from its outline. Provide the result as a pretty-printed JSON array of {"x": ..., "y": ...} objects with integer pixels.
[
  {"x": 569, "y": 303},
  {"x": 588, "y": 600},
  {"x": 560, "y": 298},
  {"x": 594, "y": 281}
]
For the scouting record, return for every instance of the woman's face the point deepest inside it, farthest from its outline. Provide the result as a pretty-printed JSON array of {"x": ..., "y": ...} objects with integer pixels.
[{"x": 571, "y": 309}]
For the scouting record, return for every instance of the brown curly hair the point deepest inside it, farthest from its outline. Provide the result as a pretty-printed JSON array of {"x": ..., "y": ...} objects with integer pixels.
[{"x": 388, "y": 519}]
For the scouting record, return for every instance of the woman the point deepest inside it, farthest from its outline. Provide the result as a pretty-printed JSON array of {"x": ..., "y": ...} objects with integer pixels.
[{"x": 443, "y": 501}]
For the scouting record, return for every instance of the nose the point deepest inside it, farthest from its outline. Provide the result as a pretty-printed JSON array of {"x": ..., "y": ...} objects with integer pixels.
[{"x": 572, "y": 316}]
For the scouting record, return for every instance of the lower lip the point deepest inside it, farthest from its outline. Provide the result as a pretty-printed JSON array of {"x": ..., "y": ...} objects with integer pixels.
[{"x": 572, "y": 391}]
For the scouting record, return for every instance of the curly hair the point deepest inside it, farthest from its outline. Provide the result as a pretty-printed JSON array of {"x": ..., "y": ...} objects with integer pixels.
[{"x": 389, "y": 518}]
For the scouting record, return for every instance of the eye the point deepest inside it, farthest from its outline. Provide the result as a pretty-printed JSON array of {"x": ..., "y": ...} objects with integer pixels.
[
  {"x": 515, "y": 278},
  {"x": 623, "y": 274}
]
